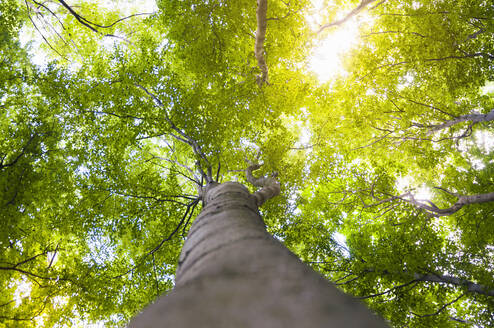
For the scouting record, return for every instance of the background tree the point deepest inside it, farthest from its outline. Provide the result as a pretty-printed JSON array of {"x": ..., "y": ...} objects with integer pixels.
[
  {"x": 407, "y": 186},
  {"x": 102, "y": 148}
]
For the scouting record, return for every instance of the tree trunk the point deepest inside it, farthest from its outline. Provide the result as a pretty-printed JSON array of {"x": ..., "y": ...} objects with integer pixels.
[{"x": 233, "y": 273}]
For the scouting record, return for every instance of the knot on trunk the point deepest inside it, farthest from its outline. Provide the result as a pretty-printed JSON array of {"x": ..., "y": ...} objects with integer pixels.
[{"x": 270, "y": 187}]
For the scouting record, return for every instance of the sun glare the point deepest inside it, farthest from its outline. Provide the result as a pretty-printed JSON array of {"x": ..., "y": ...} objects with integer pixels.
[
  {"x": 420, "y": 193},
  {"x": 485, "y": 140},
  {"x": 326, "y": 59},
  {"x": 23, "y": 289}
]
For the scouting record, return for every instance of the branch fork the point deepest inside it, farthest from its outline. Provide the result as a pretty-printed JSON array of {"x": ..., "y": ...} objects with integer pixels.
[{"x": 270, "y": 187}]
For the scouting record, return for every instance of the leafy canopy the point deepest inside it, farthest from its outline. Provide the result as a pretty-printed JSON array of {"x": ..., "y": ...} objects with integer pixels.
[{"x": 386, "y": 170}]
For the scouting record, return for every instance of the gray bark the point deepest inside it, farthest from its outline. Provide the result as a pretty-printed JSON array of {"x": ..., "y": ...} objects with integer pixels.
[
  {"x": 262, "y": 23},
  {"x": 233, "y": 273},
  {"x": 463, "y": 200},
  {"x": 474, "y": 118},
  {"x": 270, "y": 187},
  {"x": 470, "y": 286}
]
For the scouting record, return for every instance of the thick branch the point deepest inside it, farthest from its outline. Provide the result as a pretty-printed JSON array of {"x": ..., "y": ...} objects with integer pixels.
[
  {"x": 470, "y": 286},
  {"x": 262, "y": 9},
  {"x": 427, "y": 205},
  {"x": 436, "y": 278},
  {"x": 270, "y": 187},
  {"x": 462, "y": 201},
  {"x": 474, "y": 118}
]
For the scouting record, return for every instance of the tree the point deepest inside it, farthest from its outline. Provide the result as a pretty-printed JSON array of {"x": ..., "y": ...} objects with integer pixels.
[
  {"x": 232, "y": 272},
  {"x": 103, "y": 147}
]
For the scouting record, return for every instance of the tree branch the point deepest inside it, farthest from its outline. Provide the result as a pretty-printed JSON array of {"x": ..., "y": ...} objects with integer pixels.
[
  {"x": 113, "y": 114},
  {"x": 182, "y": 136},
  {"x": 28, "y": 7},
  {"x": 391, "y": 65},
  {"x": 93, "y": 26},
  {"x": 53, "y": 256},
  {"x": 185, "y": 218},
  {"x": 18, "y": 157},
  {"x": 469, "y": 285},
  {"x": 388, "y": 290},
  {"x": 28, "y": 273},
  {"x": 352, "y": 13},
  {"x": 473, "y": 117},
  {"x": 157, "y": 199},
  {"x": 156, "y": 278},
  {"x": 440, "y": 309},
  {"x": 262, "y": 9},
  {"x": 35, "y": 315},
  {"x": 270, "y": 187},
  {"x": 462, "y": 201},
  {"x": 428, "y": 206}
]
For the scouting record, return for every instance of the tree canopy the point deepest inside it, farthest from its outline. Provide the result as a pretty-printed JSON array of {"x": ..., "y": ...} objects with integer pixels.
[{"x": 111, "y": 114}]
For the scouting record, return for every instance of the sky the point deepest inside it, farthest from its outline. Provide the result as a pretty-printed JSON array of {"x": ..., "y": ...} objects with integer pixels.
[{"x": 326, "y": 60}]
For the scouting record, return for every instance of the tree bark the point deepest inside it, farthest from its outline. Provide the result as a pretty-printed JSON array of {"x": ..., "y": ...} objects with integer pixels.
[
  {"x": 463, "y": 200},
  {"x": 474, "y": 118},
  {"x": 262, "y": 23},
  {"x": 270, "y": 187},
  {"x": 233, "y": 273},
  {"x": 469, "y": 285}
]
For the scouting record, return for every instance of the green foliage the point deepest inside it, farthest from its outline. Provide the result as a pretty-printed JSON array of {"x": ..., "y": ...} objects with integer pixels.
[{"x": 97, "y": 195}]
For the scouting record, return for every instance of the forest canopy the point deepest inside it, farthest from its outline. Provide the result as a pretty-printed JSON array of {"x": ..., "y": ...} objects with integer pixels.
[{"x": 111, "y": 114}]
